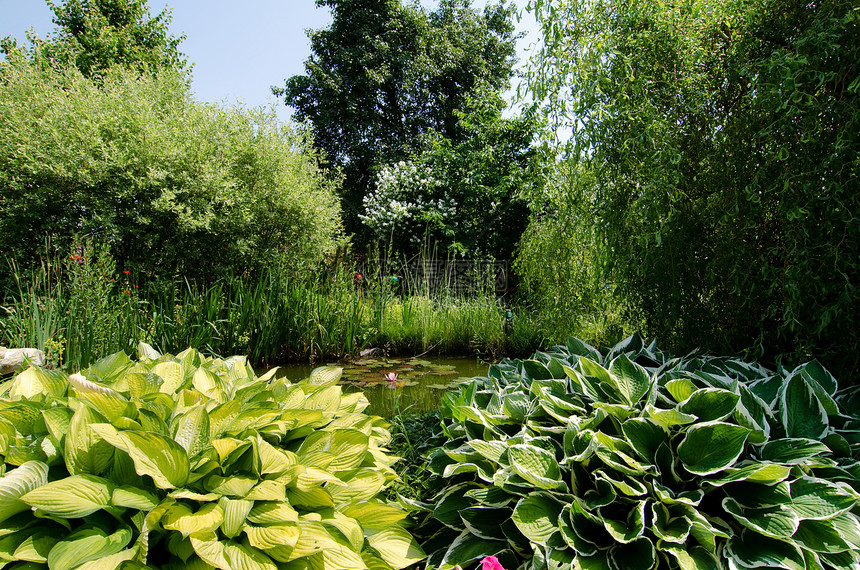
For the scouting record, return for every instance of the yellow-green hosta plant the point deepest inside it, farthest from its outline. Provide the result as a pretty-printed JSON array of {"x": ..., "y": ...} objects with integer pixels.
[
  {"x": 628, "y": 459},
  {"x": 191, "y": 462}
]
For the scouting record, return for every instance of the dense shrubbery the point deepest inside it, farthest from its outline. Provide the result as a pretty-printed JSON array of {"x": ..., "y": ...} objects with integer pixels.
[
  {"x": 189, "y": 462},
  {"x": 720, "y": 144},
  {"x": 173, "y": 186},
  {"x": 633, "y": 459}
]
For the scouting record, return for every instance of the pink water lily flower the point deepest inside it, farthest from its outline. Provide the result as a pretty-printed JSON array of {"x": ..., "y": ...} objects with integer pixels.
[
  {"x": 391, "y": 378},
  {"x": 491, "y": 563}
]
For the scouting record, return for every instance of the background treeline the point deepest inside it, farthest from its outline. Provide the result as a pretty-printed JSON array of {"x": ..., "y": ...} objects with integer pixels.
[
  {"x": 712, "y": 174},
  {"x": 707, "y": 194}
]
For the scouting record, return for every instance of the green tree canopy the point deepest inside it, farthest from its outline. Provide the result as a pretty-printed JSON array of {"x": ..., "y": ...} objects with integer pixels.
[
  {"x": 721, "y": 138},
  {"x": 97, "y": 34},
  {"x": 384, "y": 75}
]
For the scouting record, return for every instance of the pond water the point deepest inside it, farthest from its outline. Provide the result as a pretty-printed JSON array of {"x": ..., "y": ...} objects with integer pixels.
[{"x": 420, "y": 381}]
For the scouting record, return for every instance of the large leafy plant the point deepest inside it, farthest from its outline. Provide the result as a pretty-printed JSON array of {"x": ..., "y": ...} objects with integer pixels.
[
  {"x": 192, "y": 462},
  {"x": 631, "y": 459}
]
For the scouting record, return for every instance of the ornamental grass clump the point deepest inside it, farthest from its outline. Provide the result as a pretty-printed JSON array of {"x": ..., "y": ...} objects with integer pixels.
[
  {"x": 191, "y": 462},
  {"x": 631, "y": 459}
]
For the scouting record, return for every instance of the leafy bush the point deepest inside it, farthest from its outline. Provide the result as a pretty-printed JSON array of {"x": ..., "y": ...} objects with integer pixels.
[
  {"x": 186, "y": 462},
  {"x": 172, "y": 185},
  {"x": 634, "y": 460}
]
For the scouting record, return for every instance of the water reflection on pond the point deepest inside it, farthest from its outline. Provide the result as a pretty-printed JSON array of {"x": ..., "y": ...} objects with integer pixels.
[{"x": 420, "y": 381}]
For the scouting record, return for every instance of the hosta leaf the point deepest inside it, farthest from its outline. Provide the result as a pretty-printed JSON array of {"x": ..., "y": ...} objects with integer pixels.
[
  {"x": 667, "y": 527},
  {"x": 314, "y": 538},
  {"x": 535, "y": 370},
  {"x": 696, "y": 558},
  {"x": 483, "y": 522},
  {"x": 632, "y": 381},
  {"x": 792, "y": 451},
  {"x": 818, "y": 499},
  {"x": 235, "y": 511},
  {"x": 491, "y": 450},
  {"x": 325, "y": 376},
  {"x": 774, "y": 521},
  {"x": 571, "y": 536},
  {"x": 537, "y": 518},
  {"x": 669, "y": 418},
  {"x": 192, "y": 430},
  {"x": 36, "y": 547},
  {"x": 234, "y": 486},
  {"x": 711, "y": 447},
  {"x": 753, "y": 413},
  {"x": 364, "y": 485},
  {"x": 270, "y": 513},
  {"x": 210, "y": 384},
  {"x": 17, "y": 483},
  {"x": 681, "y": 388},
  {"x": 467, "y": 548},
  {"x": 629, "y": 486},
  {"x": 280, "y": 536},
  {"x": 85, "y": 451},
  {"x": 349, "y": 447},
  {"x": 765, "y": 473},
  {"x": 820, "y": 536},
  {"x": 133, "y": 498},
  {"x": 629, "y": 529},
  {"x": 172, "y": 374},
  {"x": 87, "y": 544},
  {"x": 637, "y": 555},
  {"x": 801, "y": 412},
  {"x": 73, "y": 497},
  {"x": 536, "y": 465},
  {"x": 396, "y": 547},
  {"x": 153, "y": 454},
  {"x": 181, "y": 518},
  {"x": 709, "y": 404},
  {"x": 752, "y": 550},
  {"x": 112, "y": 561},
  {"x": 645, "y": 436},
  {"x": 603, "y": 494},
  {"x": 34, "y": 381},
  {"x": 848, "y": 527}
]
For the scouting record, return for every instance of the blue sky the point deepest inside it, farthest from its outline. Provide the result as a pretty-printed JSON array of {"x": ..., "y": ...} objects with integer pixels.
[{"x": 238, "y": 53}]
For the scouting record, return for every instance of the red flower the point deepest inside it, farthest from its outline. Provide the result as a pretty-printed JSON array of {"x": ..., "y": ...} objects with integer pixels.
[{"x": 126, "y": 271}]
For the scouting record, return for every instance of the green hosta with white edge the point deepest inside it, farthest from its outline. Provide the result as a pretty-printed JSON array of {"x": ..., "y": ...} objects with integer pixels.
[
  {"x": 632, "y": 459},
  {"x": 192, "y": 462}
]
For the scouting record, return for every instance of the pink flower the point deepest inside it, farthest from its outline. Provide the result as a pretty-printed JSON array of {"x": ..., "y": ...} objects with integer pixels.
[
  {"x": 391, "y": 378},
  {"x": 491, "y": 563}
]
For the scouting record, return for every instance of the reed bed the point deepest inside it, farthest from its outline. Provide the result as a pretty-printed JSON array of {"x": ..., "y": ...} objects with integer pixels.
[{"x": 80, "y": 308}]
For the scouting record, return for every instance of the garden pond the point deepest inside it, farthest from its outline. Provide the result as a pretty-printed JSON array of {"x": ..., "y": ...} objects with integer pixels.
[{"x": 420, "y": 383}]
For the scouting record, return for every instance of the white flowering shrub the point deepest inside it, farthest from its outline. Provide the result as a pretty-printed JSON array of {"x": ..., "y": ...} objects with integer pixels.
[{"x": 408, "y": 204}]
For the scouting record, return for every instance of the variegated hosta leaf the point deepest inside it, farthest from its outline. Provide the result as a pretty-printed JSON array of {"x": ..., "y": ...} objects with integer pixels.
[
  {"x": 18, "y": 482},
  {"x": 73, "y": 497},
  {"x": 711, "y": 447}
]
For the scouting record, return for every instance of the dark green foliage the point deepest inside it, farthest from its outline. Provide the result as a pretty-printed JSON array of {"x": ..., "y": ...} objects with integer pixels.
[
  {"x": 384, "y": 74},
  {"x": 627, "y": 457},
  {"x": 723, "y": 144}
]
